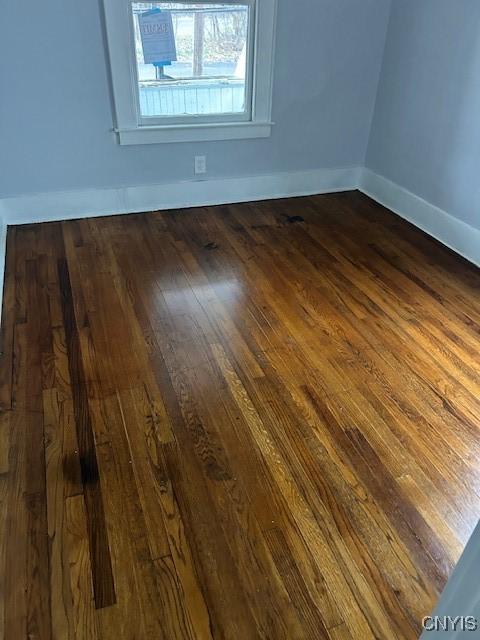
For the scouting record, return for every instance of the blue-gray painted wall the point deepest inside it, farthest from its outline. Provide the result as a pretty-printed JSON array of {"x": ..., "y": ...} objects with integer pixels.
[
  {"x": 328, "y": 58},
  {"x": 426, "y": 129}
]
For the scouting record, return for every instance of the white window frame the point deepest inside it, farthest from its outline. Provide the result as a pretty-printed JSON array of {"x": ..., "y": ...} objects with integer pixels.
[{"x": 132, "y": 128}]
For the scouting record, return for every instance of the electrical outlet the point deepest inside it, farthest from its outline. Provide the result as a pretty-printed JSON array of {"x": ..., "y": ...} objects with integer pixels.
[{"x": 200, "y": 164}]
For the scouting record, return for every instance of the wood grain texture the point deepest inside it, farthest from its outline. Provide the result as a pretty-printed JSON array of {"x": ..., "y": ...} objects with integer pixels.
[
  {"x": 100, "y": 553},
  {"x": 246, "y": 421}
]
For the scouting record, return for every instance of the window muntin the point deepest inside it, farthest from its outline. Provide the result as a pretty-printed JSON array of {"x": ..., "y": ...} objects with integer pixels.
[{"x": 210, "y": 77}]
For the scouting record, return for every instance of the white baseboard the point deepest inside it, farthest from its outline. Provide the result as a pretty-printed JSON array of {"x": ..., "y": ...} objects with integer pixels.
[
  {"x": 449, "y": 230},
  {"x": 45, "y": 207}
]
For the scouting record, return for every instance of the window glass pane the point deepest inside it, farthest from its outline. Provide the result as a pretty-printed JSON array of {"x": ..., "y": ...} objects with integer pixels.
[{"x": 203, "y": 50}]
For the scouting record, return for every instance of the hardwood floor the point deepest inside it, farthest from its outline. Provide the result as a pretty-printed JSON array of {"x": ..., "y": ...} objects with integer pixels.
[{"x": 240, "y": 422}]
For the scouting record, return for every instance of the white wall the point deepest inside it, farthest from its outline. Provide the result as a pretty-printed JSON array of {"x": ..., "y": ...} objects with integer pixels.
[
  {"x": 425, "y": 135},
  {"x": 55, "y": 112}
]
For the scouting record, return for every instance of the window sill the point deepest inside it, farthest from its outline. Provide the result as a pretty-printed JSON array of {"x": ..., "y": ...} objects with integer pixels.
[{"x": 193, "y": 132}]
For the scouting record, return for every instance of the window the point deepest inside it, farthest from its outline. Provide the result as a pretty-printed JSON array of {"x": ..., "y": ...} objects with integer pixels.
[
  {"x": 208, "y": 73},
  {"x": 187, "y": 71}
]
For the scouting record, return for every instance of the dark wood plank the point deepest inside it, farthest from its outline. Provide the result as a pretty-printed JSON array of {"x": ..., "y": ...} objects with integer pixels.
[
  {"x": 8, "y": 322},
  {"x": 103, "y": 585}
]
